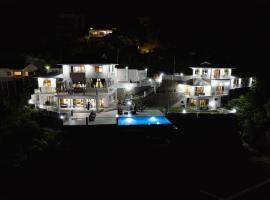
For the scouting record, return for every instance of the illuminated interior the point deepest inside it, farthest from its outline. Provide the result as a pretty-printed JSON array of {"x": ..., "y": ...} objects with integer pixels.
[
  {"x": 78, "y": 69},
  {"x": 47, "y": 83},
  {"x": 98, "y": 69},
  {"x": 17, "y": 73},
  {"x": 216, "y": 73}
]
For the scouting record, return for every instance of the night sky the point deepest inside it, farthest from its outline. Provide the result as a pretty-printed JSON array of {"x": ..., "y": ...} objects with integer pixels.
[{"x": 239, "y": 30}]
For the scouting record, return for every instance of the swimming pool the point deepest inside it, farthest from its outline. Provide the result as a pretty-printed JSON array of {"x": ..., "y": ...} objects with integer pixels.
[{"x": 142, "y": 120}]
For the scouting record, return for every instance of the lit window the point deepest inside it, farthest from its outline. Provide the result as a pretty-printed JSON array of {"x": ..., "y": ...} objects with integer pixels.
[
  {"x": 98, "y": 69},
  {"x": 47, "y": 83},
  {"x": 78, "y": 69},
  {"x": 17, "y": 73},
  {"x": 26, "y": 74}
]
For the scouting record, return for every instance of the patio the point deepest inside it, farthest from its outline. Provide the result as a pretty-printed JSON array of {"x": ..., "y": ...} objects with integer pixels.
[{"x": 104, "y": 118}]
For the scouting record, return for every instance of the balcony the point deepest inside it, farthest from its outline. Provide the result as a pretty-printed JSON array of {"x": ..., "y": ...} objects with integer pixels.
[
  {"x": 97, "y": 90},
  {"x": 77, "y": 76},
  {"x": 199, "y": 94},
  {"x": 218, "y": 93},
  {"x": 47, "y": 90}
]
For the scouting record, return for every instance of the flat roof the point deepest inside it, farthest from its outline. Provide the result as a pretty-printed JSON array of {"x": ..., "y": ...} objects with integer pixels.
[
  {"x": 214, "y": 67},
  {"x": 87, "y": 64}
]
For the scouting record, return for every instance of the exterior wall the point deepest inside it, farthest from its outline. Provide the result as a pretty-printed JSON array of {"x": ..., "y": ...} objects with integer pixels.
[
  {"x": 134, "y": 75},
  {"x": 210, "y": 73},
  {"x": 41, "y": 81},
  {"x": 225, "y": 83},
  {"x": 189, "y": 90},
  {"x": 66, "y": 75},
  {"x": 4, "y": 73}
]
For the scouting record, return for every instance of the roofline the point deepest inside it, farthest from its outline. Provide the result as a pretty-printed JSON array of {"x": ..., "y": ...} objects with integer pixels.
[
  {"x": 216, "y": 67},
  {"x": 87, "y": 64}
]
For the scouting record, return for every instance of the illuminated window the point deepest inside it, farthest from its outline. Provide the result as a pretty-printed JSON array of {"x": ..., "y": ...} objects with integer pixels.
[
  {"x": 78, "y": 69},
  {"x": 98, "y": 83},
  {"x": 17, "y": 73},
  {"x": 47, "y": 83},
  {"x": 26, "y": 74},
  {"x": 199, "y": 90},
  {"x": 98, "y": 69},
  {"x": 203, "y": 102},
  {"x": 193, "y": 102},
  {"x": 216, "y": 73},
  {"x": 219, "y": 90}
]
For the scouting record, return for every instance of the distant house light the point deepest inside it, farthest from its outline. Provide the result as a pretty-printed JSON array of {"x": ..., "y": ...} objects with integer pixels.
[
  {"x": 184, "y": 111},
  {"x": 181, "y": 74}
]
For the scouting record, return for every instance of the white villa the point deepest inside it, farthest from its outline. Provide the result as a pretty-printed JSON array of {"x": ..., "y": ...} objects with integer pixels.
[
  {"x": 85, "y": 86},
  {"x": 206, "y": 86}
]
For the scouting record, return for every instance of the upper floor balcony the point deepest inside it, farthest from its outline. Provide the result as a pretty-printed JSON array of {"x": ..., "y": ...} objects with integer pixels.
[
  {"x": 46, "y": 90},
  {"x": 220, "y": 93},
  {"x": 77, "y": 76},
  {"x": 199, "y": 93}
]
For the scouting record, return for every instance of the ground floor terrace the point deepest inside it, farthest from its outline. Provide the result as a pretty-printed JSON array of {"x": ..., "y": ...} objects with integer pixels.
[
  {"x": 204, "y": 103},
  {"x": 75, "y": 102},
  {"x": 102, "y": 118}
]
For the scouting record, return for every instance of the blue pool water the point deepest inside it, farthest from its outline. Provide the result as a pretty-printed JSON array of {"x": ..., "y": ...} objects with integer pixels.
[{"x": 142, "y": 120}]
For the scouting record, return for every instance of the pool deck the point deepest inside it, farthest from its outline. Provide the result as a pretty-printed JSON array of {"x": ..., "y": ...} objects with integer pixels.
[{"x": 105, "y": 118}]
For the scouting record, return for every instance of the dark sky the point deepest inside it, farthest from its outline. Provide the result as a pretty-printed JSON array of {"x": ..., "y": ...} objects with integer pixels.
[{"x": 240, "y": 29}]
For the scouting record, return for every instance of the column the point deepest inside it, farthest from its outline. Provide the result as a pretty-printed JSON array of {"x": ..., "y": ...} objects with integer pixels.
[{"x": 97, "y": 104}]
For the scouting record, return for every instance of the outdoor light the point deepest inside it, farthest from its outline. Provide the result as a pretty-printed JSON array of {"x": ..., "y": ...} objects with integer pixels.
[
  {"x": 184, "y": 111},
  {"x": 153, "y": 119},
  {"x": 129, "y": 103},
  {"x": 47, "y": 67},
  {"x": 233, "y": 110},
  {"x": 150, "y": 80},
  {"x": 129, "y": 120},
  {"x": 126, "y": 67},
  {"x": 181, "y": 74},
  {"x": 212, "y": 103},
  {"x": 145, "y": 69},
  {"x": 61, "y": 117},
  {"x": 129, "y": 87},
  {"x": 30, "y": 101}
]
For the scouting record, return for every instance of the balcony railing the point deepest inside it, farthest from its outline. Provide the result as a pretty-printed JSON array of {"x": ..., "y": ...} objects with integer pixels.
[
  {"x": 199, "y": 94},
  {"x": 47, "y": 90},
  {"x": 97, "y": 90},
  {"x": 221, "y": 93}
]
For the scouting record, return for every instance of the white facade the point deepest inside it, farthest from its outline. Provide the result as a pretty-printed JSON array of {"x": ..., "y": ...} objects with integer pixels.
[
  {"x": 130, "y": 78},
  {"x": 84, "y": 86},
  {"x": 205, "y": 87}
]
